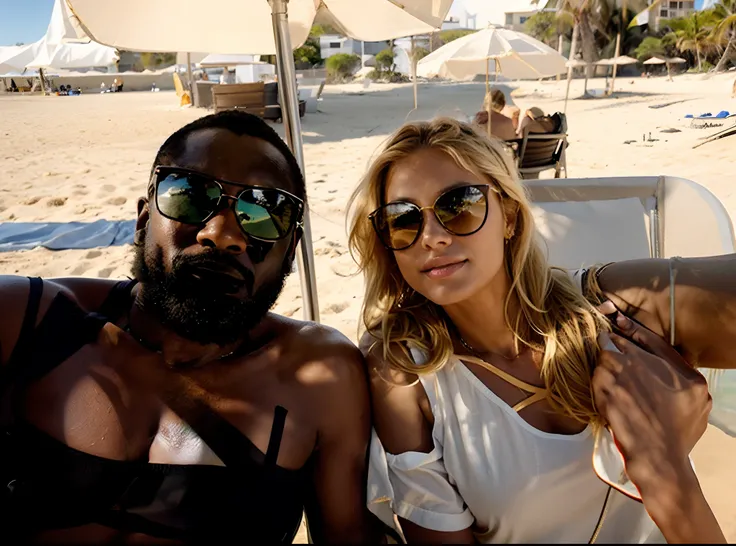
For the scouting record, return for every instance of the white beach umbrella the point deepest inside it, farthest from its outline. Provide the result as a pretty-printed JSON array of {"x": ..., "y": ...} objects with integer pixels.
[
  {"x": 257, "y": 27},
  {"x": 654, "y": 60},
  {"x": 515, "y": 55}
]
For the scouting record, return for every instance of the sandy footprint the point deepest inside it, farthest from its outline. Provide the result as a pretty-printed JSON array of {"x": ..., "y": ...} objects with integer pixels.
[
  {"x": 119, "y": 200},
  {"x": 109, "y": 188},
  {"x": 56, "y": 202},
  {"x": 105, "y": 272},
  {"x": 92, "y": 254},
  {"x": 337, "y": 308},
  {"x": 32, "y": 201},
  {"x": 81, "y": 269}
]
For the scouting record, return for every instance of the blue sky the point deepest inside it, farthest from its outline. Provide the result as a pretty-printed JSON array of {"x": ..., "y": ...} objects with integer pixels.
[{"x": 26, "y": 20}]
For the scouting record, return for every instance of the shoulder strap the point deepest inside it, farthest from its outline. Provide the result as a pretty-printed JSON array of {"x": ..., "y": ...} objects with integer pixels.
[
  {"x": 117, "y": 300},
  {"x": 537, "y": 393},
  {"x": 23, "y": 344}
]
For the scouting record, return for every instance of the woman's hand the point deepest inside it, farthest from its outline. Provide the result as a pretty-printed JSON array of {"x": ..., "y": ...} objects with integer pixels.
[{"x": 657, "y": 407}]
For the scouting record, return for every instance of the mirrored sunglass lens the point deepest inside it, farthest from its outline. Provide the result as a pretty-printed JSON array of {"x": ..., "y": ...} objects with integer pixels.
[
  {"x": 401, "y": 223},
  {"x": 186, "y": 198},
  {"x": 266, "y": 214},
  {"x": 462, "y": 210}
]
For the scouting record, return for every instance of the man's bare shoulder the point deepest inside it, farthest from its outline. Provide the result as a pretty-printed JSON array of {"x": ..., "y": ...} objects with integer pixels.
[{"x": 320, "y": 354}]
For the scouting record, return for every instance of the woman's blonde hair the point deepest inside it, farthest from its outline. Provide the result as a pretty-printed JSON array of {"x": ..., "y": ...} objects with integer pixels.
[{"x": 553, "y": 317}]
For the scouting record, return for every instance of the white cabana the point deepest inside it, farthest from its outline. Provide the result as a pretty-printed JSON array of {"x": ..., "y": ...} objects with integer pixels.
[
  {"x": 258, "y": 27},
  {"x": 65, "y": 45}
]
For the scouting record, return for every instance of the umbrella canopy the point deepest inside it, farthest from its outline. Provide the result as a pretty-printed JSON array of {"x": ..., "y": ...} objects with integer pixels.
[
  {"x": 243, "y": 26},
  {"x": 654, "y": 60},
  {"x": 576, "y": 63},
  {"x": 517, "y": 56},
  {"x": 216, "y": 60},
  {"x": 257, "y": 26},
  {"x": 676, "y": 60},
  {"x": 621, "y": 60}
]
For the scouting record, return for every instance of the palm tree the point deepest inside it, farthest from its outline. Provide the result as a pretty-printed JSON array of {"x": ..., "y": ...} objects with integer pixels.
[
  {"x": 593, "y": 18},
  {"x": 724, "y": 32},
  {"x": 693, "y": 34}
]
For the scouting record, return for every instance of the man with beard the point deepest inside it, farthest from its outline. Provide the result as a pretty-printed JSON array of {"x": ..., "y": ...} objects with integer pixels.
[{"x": 174, "y": 407}]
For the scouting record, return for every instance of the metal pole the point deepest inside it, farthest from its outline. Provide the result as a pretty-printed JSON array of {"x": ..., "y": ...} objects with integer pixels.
[
  {"x": 615, "y": 56},
  {"x": 559, "y": 49},
  {"x": 413, "y": 61},
  {"x": 293, "y": 130},
  {"x": 192, "y": 87},
  {"x": 573, "y": 47}
]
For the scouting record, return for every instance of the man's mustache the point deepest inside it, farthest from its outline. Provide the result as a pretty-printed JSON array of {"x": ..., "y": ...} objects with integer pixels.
[{"x": 214, "y": 257}]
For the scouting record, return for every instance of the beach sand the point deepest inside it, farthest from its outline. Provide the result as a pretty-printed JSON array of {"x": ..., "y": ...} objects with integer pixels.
[{"x": 89, "y": 157}]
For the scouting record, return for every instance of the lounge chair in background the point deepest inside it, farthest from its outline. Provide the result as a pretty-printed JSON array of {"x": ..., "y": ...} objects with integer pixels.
[{"x": 240, "y": 96}]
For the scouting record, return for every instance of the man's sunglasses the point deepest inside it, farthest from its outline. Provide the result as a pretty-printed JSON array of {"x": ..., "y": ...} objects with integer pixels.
[
  {"x": 194, "y": 198},
  {"x": 461, "y": 211}
]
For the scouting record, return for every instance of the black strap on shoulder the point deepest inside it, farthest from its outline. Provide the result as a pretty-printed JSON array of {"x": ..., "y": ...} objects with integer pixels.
[
  {"x": 117, "y": 300},
  {"x": 25, "y": 338},
  {"x": 65, "y": 328}
]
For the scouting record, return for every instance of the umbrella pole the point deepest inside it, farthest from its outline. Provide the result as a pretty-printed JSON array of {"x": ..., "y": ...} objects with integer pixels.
[
  {"x": 413, "y": 62},
  {"x": 487, "y": 99},
  {"x": 615, "y": 67},
  {"x": 573, "y": 47},
  {"x": 191, "y": 80},
  {"x": 293, "y": 130}
]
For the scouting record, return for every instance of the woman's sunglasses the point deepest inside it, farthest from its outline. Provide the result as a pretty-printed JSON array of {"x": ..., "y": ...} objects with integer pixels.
[
  {"x": 190, "y": 197},
  {"x": 461, "y": 211}
]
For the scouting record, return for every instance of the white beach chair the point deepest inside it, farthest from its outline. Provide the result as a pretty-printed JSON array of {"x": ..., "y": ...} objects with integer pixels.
[{"x": 585, "y": 221}]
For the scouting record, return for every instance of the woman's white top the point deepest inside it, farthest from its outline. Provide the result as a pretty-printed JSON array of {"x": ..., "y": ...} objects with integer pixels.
[{"x": 492, "y": 470}]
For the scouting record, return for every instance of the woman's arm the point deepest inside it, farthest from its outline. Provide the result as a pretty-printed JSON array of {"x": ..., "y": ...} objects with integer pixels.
[
  {"x": 403, "y": 421},
  {"x": 705, "y": 303}
]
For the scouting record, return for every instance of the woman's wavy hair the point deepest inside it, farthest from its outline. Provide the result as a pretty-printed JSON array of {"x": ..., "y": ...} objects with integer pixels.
[{"x": 553, "y": 317}]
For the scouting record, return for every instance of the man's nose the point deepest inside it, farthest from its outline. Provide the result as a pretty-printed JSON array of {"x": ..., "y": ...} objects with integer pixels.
[{"x": 223, "y": 232}]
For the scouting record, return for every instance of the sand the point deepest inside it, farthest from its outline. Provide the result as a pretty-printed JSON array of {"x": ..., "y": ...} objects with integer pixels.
[{"x": 88, "y": 157}]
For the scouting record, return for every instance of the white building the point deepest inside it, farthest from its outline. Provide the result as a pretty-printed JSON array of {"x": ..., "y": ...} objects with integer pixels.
[{"x": 331, "y": 44}]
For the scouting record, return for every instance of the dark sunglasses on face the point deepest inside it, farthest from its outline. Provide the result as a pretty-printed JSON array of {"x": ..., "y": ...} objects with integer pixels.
[
  {"x": 460, "y": 211},
  {"x": 194, "y": 198}
]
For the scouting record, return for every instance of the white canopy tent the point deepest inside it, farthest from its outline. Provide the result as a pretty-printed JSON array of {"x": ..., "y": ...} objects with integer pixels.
[
  {"x": 64, "y": 46},
  {"x": 258, "y": 27}
]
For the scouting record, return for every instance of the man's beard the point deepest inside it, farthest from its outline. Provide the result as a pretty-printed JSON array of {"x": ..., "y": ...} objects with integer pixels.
[{"x": 197, "y": 310}]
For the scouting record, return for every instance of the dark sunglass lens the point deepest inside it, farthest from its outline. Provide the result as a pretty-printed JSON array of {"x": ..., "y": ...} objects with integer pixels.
[
  {"x": 399, "y": 224},
  {"x": 266, "y": 214},
  {"x": 186, "y": 198},
  {"x": 462, "y": 210}
]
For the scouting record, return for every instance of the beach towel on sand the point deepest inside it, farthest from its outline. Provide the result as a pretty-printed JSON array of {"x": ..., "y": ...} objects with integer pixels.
[{"x": 65, "y": 235}]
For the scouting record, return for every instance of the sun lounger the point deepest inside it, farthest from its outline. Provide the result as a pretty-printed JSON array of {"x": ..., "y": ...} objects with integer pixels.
[
  {"x": 709, "y": 120},
  {"x": 240, "y": 96},
  {"x": 598, "y": 220}
]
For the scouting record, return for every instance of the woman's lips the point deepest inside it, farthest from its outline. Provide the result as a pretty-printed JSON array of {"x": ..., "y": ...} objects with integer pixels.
[{"x": 444, "y": 271}]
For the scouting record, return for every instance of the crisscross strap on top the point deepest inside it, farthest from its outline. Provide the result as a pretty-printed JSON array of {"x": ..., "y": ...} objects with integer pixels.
[{"x": 536, "y": 393}]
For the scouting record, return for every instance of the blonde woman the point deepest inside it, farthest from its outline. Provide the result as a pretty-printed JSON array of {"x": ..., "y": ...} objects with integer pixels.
[{"x": 481, "y": 358}]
